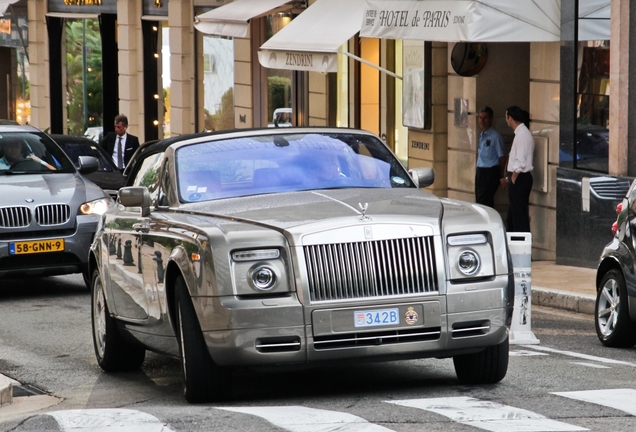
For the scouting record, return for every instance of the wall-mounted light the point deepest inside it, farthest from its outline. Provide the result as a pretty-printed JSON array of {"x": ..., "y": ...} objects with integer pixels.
[
  {"x": 156, "y": 55},
  {"x": 154, "y": 28},
  {"x": 156, "y": 96},
  {"x": 155, "y": 122}
]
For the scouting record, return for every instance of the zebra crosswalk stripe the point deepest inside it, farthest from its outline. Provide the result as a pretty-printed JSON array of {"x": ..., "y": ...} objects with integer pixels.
[
  {"x": 620, "y": 399},
  {"x": 108, "y": 420},
  {"x": 487, "y": 415},
  {"x": 303, "y": 419}
]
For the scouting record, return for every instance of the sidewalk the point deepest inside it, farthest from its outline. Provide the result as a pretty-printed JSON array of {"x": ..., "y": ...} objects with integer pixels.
[
  {"x": 563, "y": 287},
  {"x": 554, "y": 286}
]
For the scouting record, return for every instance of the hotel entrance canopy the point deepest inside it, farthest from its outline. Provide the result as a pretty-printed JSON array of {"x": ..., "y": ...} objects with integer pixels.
[
  {"x": 312, "y": 40},
  {"x": 480, "y": 20},
  {"x": 233, "y": 19}
]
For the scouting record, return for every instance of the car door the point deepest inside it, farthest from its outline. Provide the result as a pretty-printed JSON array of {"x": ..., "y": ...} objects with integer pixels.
[
  {"x": 127, "y": 228},
  {"x": 156, "y": 246}
]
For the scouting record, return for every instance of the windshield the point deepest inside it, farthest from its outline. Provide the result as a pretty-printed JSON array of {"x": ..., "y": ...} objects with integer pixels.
[
  {"x": 28, "y": 152},
  {"x": 286, "y": 163}
]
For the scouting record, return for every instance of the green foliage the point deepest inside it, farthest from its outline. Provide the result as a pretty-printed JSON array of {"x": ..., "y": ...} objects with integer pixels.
[
  {"x": 279, "y": 89},
  {"x": 149, "y": 178},
  {"x": 74, "y": 81},
  {"x": 224, "y": 118}
]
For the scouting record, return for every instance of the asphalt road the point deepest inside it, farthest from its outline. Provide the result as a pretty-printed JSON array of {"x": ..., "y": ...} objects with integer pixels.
[{"x": 567, "y": 382}]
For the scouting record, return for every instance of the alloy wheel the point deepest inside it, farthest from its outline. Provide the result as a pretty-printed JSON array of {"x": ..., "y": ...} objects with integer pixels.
[{"x": 608, "y": 307}]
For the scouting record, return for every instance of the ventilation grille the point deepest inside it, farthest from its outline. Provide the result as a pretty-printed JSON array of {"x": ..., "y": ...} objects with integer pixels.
[
  {"x": 381, "y": 268},
  {"x": 15, "y": 217},
  {"x": 52, "y": 214},
  {"x": 388, "y": 337},
  {"x": 609, "y": 188}
]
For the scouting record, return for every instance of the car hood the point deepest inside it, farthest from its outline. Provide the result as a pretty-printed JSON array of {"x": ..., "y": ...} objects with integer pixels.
[
  {"x": 287, "y": 210},
  {"x": 47, "y": 188}
]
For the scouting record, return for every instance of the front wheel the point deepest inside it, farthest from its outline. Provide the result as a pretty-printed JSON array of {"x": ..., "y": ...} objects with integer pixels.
[
  {"x": 485, "y": 367},
  {"x": 203, "y": 381},
  {"x": 611, "y": 315},
  {"x": 113, "y": 353}
]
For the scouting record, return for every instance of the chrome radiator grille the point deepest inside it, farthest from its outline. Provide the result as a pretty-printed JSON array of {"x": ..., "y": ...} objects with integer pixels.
[
  {"x": 52, "y": 214},
  {"x": 15, "y": 217},
  {"x": 371, "y": 269}
]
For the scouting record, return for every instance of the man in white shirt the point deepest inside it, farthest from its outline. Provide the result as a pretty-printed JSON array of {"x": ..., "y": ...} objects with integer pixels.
[{"x": 519, "y": 179}]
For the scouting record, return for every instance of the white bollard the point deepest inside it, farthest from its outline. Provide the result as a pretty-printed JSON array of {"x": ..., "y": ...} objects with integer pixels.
[{"x": 520, "y": 245}]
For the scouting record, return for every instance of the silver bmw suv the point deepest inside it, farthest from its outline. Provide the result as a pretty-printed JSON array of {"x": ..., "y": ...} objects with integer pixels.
[{"x": 48, "y": 211}]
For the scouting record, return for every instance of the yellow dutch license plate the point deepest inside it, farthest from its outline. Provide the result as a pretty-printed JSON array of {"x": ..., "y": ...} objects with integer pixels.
[{"x": 36, "y": 246}]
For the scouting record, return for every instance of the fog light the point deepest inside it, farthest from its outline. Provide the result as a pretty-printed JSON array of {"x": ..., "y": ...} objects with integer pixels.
[
  {"x": 263, "y": 278},
  {"x": 468, "y": 262}
]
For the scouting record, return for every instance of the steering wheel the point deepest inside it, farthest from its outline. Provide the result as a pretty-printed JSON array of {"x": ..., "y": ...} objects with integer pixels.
[{"x": 25, "y": 165}]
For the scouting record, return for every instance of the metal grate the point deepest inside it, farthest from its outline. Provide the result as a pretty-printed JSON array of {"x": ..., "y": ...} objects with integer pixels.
[
  {"x": 376, "y": 338},
  {"x": 52, "y": 214},
  {"x": 15, "y": 217},
  {"x": 609, "y": 188},
  {"x": 371, "y": 269}
]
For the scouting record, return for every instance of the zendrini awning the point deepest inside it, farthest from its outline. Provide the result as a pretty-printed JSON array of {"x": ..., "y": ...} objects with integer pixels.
[
  {"x": 480, "y": 20},
  {"x": 4, "y": 5},
  {"x": 312, "y": 40},
  {"x": 233, "y": 19}
]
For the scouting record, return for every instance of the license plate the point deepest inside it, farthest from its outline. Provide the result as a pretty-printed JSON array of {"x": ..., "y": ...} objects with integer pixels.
[
  {"x": 37, "y": 246},
  {"x": 376, "y": 317}
]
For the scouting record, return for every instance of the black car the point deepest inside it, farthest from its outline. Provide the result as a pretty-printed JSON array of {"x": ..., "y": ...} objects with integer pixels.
[
  {"x": 615, "y": 311},
  {"x": 107, "y": 176}
]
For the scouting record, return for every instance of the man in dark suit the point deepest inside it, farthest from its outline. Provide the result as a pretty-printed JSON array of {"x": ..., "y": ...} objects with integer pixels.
[{"x": 120, "y": 144}]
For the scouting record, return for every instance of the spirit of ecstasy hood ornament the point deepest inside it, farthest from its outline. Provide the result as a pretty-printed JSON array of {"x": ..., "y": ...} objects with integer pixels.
[{"x": 363, "y": 209}]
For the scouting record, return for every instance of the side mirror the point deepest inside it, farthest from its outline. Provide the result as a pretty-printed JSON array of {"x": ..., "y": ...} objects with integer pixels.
[
  {"x": 87, "y": 164},
  {"x": 135, "y": 196},
  {"x": 423, "y": 177}
]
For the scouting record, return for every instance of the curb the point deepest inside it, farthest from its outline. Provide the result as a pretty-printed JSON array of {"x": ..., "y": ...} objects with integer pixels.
[
  {"x": 566, "y": 300},
  {"x": 6, "y": 390}
]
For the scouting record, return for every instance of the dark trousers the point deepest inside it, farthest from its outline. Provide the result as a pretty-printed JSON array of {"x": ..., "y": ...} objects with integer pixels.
[
  {"x": 518, "y": 219},
  {"x": 486, "y": 184}
]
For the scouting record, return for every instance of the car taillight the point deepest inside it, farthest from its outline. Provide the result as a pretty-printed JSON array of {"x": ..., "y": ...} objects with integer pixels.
[
  {"x": 619, "y": 207},
  {"x": 615, "y": 227}
]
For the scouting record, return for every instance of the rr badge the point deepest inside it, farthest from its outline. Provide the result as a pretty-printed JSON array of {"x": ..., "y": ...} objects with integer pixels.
[{"x": 411, "y": 316}]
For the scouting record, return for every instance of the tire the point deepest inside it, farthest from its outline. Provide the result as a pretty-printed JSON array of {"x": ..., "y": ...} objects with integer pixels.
[
  {"x": 485, "y": 367},
  {"x": 87, "y": 277},
  {"x": 203, "y": 381},
  {"x": 113, "y": 353},
  {"x": 614, "y": 327}
]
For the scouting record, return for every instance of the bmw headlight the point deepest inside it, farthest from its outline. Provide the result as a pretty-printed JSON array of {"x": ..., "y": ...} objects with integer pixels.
[{"x": 98, "y": 206}]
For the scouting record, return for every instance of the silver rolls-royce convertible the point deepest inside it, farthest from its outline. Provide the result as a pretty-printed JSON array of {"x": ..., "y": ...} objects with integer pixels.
[{"x": 288, "y": 246}]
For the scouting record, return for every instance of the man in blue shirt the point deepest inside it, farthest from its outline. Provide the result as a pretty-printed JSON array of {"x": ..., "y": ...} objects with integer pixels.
[{"x": 491, "y": 155}]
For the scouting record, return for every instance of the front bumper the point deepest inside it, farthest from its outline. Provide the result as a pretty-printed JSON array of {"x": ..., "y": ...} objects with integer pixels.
[
  {"x": 282, "y": 331},
  {"x": 72, "y": 260}
]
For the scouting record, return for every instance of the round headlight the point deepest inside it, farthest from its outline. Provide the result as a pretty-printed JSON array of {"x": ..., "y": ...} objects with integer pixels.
[
  {"x": 468, "y": 262},
  {"x": 264, "y": 278}
]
